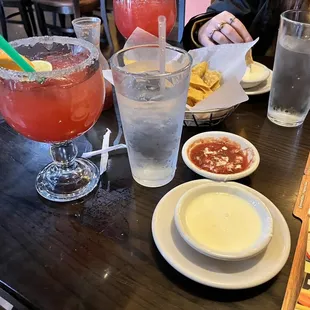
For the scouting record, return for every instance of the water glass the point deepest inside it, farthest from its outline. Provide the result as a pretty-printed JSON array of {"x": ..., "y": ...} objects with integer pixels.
[
  {"x": 289, "y": 100},
  {"x": 152, "y": 107}
]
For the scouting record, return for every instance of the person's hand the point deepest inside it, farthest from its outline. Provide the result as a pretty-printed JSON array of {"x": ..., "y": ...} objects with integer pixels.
[{"x": 223, "y": 28}]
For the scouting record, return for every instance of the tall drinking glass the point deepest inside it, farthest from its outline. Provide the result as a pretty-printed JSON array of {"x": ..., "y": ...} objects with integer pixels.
[
  {"x": 55, "y": 107},
  {"x": 289, "y": 100},
  {"x": 88, "y": 28},
  {"x": 130, "y": 14},
  {"x": 152, "y": 107}
]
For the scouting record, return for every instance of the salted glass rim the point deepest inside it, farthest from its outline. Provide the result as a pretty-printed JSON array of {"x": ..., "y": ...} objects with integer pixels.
[
  {"x": 143, "y": 74},
  {"x": 54, "y": 74},
  {"x": 90, "y": 19},
  {"x": 287, "y": 18}
]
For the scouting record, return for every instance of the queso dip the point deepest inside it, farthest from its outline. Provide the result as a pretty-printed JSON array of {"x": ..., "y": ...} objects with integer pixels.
[
  {"x": 223, "y": 222},
  {"x": 254, "y": 72}
]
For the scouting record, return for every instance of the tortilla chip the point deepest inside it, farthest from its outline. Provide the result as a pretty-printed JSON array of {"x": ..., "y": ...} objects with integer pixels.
[
  {"x": 198, "y": 83},
  {"x": 216, "y": 86},
  {"x": 200, "y": 69},
  {"x": 207, "y": 94},
  {"x": 194, "y": 96},
  {"x": 248, "y": 57},
  {"x": 211, "y": 78},
  {"x": 203, "y": 82},
  {"x": 191, "y": 102}
]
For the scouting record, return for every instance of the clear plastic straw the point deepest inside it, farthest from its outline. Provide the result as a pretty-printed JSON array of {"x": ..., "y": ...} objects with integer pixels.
[{"x": 162, "y": 48}]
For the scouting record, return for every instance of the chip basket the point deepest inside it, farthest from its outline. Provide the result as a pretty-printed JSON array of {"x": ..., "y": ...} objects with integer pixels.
[{"x": 207, "y": 118}]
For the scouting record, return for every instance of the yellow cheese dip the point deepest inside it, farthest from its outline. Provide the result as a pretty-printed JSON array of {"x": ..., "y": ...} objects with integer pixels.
[
  {"x": 254, "y": 72},
  {"x": 223, "y": 222}
]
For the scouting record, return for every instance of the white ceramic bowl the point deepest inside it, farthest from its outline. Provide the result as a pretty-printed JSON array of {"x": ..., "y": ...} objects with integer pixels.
[
  {"x": 245, "y": 144},
  {"x": 249, "y": 83},
  {"x": 260, "y": 243}
]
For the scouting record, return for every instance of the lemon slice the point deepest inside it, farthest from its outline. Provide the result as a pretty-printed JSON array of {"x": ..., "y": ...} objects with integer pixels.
[{"x": 42, "y": 66}]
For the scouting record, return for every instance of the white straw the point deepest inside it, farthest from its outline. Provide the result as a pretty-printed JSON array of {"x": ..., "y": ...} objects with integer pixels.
[
  {"x": 105, "y": 156},
  {"x": 103, "y": 151},
  {"x": 162, "y": 48}
]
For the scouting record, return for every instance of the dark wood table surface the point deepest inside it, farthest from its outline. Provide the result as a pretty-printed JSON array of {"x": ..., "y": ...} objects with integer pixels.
[{"x": 99, "y": 253}]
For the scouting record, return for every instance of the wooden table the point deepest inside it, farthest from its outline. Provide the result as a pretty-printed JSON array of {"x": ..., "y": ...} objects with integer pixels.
[{"x": 99, "y": 253}]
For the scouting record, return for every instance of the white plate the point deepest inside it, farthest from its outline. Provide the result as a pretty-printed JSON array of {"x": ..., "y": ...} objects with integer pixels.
[
  {"x": 261, "y": 88},
  {"x": 211, "y": 272}
]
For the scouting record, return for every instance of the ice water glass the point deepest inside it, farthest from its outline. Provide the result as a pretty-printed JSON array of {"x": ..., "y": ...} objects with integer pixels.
[
  {"x": 152, "y": 107},
  {"x": 289, "y": 100}
]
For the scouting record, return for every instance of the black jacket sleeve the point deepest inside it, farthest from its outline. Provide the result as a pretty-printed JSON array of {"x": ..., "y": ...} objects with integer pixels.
[
  {"x": 254, "y": 14},
  {"x": 245, "y": 10},
  {"x": 236, "y": 7}
]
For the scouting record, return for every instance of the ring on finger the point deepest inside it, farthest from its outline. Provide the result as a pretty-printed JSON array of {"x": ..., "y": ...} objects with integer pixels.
[
  {"x": 220, "y": 26},
  {"x": 231, "y": 20},
  {"x": 232, "y": 34},
  {"x": 211, "y": 34},
  {"x": 220, "y": 38}
]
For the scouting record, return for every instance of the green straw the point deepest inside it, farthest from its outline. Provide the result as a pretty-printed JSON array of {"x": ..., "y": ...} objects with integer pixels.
[{"x": 12, "y": 53}]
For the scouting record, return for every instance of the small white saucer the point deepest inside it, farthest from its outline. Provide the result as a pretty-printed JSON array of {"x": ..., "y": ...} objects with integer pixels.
[
  {"x": 209, "y": 271},
  {"x": 261, "y": 88}
]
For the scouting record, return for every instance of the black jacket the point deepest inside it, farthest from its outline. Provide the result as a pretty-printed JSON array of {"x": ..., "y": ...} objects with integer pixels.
[{"x": 260, "y": 17}]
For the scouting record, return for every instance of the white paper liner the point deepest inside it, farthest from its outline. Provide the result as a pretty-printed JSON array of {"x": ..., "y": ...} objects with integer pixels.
[{"x": 229, "y": 59}]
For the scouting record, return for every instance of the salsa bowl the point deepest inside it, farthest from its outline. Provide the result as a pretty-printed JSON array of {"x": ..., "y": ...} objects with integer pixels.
[{"x": 220, "y": 156}]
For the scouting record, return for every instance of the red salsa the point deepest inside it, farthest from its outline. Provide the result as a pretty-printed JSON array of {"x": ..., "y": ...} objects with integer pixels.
[{"x": 219, "y": 155}]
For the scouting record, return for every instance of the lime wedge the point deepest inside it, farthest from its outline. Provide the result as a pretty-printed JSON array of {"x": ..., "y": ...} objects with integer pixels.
[{"x": 42, "y": 66}]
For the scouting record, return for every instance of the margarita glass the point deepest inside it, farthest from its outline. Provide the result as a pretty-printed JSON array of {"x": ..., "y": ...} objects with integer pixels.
[
  {"x": 130, "y": 14},
  {"x": 55, "y": 107}
]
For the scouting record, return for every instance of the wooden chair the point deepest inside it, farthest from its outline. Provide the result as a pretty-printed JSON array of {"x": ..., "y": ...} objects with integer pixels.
[
  {"x": 24, "y": 10},
  {"x": 62, "y": 9}
]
